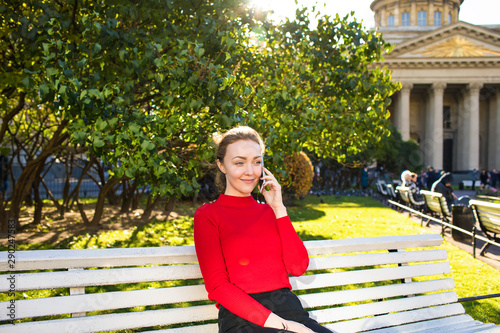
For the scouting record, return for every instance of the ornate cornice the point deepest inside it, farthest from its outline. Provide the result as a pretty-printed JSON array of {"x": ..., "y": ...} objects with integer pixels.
[
  {"x": 425, "y": 63},
  {"x": 463, "y": 28}
]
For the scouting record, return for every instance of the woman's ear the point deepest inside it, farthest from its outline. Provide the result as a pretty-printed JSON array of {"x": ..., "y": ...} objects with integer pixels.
[{"x": 221, "y": 167}]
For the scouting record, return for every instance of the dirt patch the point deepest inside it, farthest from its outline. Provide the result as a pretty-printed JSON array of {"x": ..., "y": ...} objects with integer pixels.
[{"x": 54, "y": 229}]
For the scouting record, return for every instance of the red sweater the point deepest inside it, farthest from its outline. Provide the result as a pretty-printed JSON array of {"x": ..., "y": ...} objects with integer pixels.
[{"x": 243, "y": 249}]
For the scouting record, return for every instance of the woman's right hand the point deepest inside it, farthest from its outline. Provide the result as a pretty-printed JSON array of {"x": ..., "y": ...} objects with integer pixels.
[
  {"x": 294, "y": 326},
  {"x": 275, "y": 321}
]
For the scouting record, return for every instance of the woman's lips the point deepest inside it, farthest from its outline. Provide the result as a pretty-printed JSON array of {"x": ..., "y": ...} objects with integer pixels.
[{"x": 248, "y": 181}]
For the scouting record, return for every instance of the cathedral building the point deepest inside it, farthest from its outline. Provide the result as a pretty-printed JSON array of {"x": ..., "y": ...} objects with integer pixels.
[{"x": 450, "y": 76}]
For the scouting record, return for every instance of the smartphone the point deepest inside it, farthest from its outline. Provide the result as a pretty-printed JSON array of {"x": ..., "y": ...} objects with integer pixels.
[{"x": 263, "y": 175}]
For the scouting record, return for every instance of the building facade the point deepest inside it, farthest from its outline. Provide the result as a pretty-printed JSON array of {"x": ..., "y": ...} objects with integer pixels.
[{"x": 450, "y": 76}]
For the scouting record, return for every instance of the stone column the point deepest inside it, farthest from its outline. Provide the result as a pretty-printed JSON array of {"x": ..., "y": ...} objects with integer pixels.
[
  {"x": 471, "y": 126},
  {"x": 446, "y": 11},
  {"x": 494, "y": 125},
  {"x": 430, "y": 14},
  {"x": 413, "y": 13},
  {"x": 436, "y": 106},
  {"x": 397, "y": 22},
  {"x": 403, "y": 119}
]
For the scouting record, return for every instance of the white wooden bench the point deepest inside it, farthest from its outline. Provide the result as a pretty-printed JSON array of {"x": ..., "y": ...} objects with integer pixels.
[
  {"x": 376, "y": 285},
  {"x": 437, "y": 206},
  {"x": 468, "y": 183},
  {"x": 488, "y": 216}
]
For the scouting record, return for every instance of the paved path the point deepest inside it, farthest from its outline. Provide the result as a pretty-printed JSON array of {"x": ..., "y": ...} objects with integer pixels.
[{"x": 492, "y": 255}]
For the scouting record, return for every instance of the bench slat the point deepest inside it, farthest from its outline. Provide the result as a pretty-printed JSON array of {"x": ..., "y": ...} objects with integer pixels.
[
  {"x": 368, "y": 275},
  {"x": 124, "y": 299},
  {"x": 117, "y": 321},
  {"x": 208, "y": 328},
  {"x": 374, "y": 293},
  {"x": 79, "y": 258},
  {"x": 400, "y": 318},
  {"x": 101, "y": 277},
  {"x": 435, "y": 325},
  {"x": 372, "y": 259},
  {"x": 383, "y": 307},
  {"x": 469, "y": 327},
  {"x": 350, "y": 245},
  {"x": 104, "y": 301}
]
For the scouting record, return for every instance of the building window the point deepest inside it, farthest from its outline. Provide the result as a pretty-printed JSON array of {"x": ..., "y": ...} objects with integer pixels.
[
  {"x": 437, "y": 18},
  {"x": 422, "y": 18},
  {"x": 390, "y": 21},
  {"x": 449, "y": 18},
  {"x": 405, "y": 19},
  {"x": 446, "y": 117}
]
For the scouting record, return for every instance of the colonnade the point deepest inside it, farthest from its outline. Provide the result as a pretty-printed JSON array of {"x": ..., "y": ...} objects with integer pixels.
[{"x": 466, "y": 125}]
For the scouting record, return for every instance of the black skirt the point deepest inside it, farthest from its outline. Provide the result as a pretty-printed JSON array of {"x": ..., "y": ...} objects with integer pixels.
[{"x": 282, "y": 302}]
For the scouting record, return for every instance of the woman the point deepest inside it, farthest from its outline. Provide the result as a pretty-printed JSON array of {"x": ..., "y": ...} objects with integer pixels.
[{"x": 246, "y": 249}]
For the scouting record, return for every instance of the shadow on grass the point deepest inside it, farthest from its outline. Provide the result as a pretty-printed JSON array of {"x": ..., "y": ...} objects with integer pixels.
[{"x": 482, "y": 310}]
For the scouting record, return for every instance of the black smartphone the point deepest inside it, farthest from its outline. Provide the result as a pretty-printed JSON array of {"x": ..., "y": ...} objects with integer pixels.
[{"x": 263, "y": 175}]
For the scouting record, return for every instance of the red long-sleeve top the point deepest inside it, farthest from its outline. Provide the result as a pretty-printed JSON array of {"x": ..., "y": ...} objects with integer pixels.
[{"x": 243, "y": 249}]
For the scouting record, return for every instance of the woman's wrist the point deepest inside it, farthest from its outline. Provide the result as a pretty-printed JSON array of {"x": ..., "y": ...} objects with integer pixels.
[
  {"x": 280, "y": 211},
  {"x": 274, "y": 321}
]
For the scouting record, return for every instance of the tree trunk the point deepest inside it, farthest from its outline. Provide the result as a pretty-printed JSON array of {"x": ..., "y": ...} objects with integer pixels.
[
  {"x": 149, "y": 207},
  {"x": 127, "y": 195},
  {"x": 37, "y": 218},
  {"x": 169, "y": 205},
  {"x": 99, "y": 208},
  {"x": 27, "y": 177}
]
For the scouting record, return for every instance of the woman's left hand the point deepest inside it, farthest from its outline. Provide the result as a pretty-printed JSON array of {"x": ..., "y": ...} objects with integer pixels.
[{"x": 272, "y": 193}]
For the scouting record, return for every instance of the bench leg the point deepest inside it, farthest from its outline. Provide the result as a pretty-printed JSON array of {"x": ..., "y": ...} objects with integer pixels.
[{"x": 483, "y": 249}]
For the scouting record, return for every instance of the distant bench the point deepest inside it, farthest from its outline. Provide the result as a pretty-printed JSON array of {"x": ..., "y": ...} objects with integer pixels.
[
  {"x": 488, "y": 216},
  {"x": 377, "y": 285},
  {"x": 468, "y": 183}
]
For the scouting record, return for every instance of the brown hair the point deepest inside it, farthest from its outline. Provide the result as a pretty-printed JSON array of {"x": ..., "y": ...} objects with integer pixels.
[{"x": 225, "y": 139}]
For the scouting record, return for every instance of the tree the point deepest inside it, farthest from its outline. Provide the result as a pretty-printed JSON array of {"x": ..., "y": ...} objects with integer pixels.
[{"x": 142, "y": 85}]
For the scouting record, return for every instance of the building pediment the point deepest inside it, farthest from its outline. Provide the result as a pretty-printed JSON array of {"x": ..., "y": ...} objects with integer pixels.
[{"x": 457, "y": 42}]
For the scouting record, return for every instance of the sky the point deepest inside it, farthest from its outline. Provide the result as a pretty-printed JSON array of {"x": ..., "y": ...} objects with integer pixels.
[{"x": 479, "y": 12}]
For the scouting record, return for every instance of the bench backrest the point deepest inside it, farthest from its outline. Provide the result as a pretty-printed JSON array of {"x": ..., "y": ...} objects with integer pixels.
[
  {"x": 363, "y": 286},
  {"x": 390, "y": 191},
  {"x": 436, "y": 203},
  {"x": 381, "y": 187},
  {"x": 403, "y": 193},
  {"x": 487, "y": 214},
  {"x": 413, "y": 201}
]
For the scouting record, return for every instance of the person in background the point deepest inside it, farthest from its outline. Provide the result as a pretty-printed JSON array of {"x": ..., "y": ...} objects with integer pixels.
[
  {"x": 414, "y": 188},
  {"x": 443, "y": 186},
  {"x": 474, "y": 175},
  {"x": 430, "y": 177},
  {"x": 483, "y": 177},
  {"x": 364, "y": 178},
  {"x": 494, "y": 178},
  {"x": 405, "y": 178}
]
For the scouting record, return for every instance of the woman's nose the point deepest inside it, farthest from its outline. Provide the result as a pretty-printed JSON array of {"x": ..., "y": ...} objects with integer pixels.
[{"x": 249, "y": 169}]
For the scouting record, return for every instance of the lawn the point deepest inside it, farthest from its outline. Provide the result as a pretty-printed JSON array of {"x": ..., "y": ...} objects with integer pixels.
[{"x": 317, "y": 218}]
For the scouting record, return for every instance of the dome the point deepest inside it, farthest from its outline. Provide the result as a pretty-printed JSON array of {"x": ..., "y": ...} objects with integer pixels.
[{"x": 415, "y": 13}]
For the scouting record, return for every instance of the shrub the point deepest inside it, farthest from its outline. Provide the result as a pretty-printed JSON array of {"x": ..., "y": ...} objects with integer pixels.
[{"x": 300, "y": 175}]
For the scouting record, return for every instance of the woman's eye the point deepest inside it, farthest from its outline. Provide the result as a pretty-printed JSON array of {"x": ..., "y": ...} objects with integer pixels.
[{"x": 258, "y": 162}]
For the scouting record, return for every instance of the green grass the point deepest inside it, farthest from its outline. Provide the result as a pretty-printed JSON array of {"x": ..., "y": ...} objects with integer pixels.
[{"x": 337, "y": 217}]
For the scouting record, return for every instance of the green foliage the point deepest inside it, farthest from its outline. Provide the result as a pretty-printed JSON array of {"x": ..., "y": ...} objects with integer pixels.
[
  {"x": 143, "y": 85},
  {"x": 397, "y": 154}
]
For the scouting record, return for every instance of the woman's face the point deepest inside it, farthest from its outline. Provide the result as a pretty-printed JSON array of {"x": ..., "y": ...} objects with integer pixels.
[{"x": 242, "y": 166}]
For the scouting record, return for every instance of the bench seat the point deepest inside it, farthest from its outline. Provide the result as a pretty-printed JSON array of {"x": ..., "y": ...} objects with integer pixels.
[
  {"x": 488, "y": 216},
  {"x": 352, "y": 285}
]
